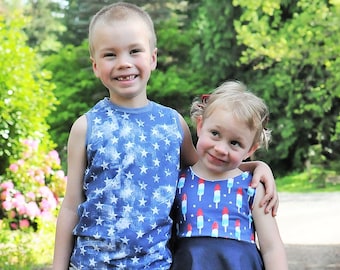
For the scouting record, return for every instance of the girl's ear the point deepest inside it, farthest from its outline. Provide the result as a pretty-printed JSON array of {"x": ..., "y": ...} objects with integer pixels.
[
  {"x": 199, "y": 124},
  {"x": 252, "y": 150}
]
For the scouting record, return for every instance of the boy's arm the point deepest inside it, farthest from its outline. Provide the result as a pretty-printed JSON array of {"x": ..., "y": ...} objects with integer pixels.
[
  {"x": 263, "y": 173},
  {"x": 188, "y": 151},
  {"x": 68, "y": 218}
]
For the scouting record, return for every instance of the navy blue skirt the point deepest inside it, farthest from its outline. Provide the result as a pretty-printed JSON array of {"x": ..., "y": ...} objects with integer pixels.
[{"x": 204, "y": 253}]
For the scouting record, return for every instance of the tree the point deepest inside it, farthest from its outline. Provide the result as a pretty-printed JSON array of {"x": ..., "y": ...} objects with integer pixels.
[
  {"x": 26, "y": 96},
  {"x": 45, "y": 25},
  {"x": 291, "y": 51}
]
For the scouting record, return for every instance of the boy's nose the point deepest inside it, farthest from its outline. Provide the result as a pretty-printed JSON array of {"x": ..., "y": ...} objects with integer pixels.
[{"x": 123, "y": 61}]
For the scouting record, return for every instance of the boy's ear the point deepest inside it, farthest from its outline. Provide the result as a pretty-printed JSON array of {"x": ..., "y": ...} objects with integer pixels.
[
  {"x": 154, "y": 59},
  {"x": 94, "y": 67}
]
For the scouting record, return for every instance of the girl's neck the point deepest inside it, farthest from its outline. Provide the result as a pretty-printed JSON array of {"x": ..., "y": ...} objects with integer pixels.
[{"x": 202, "y": 172}]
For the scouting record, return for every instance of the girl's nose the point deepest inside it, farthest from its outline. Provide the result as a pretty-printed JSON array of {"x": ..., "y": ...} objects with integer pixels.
[{"x": 221, "y": 148}]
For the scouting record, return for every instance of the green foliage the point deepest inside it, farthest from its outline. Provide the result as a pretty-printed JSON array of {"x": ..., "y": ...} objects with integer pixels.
[
  {"x": 26, "y": 96},
  {"x": 27, "y": 250},
  {"x": 290, "y": 50},
  {"x": 77, "y": 89},
  {"x": 214, "y": 51}
]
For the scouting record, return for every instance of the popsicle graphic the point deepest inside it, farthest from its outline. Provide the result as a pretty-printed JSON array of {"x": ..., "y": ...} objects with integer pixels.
[
  {"x": 181, "y": 182},
  {"x": 230, "y": 184},
  {"x": 250, "y": 220},
  {"x": 214, "y": 231},
  {"x": 237, "y": 229},
  {"x": 184, "y": 205},
  {"x": 239, "y": 199},
  {"x": 245, "y": 175},
  {"x": 252, "y": 238},
  {"x": 200, "y": 189},
  {"x": 225, "y": 218},
  {"x": 217, "y": 194},
  {"x": 189, "y": 230},
  {"x": 200, "y": 221},
  {"x": 250, "y": 192}
]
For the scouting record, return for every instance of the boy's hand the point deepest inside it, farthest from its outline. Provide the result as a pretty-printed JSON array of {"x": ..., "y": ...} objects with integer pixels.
[{"x": 263, "y": 173}]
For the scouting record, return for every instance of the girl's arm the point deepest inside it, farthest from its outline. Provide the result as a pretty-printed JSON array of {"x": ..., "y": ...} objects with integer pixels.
[
  {"x": 263, "y": 173},
  {"x": 271, "y": 246},
  {"x": 68, "y": 218}
]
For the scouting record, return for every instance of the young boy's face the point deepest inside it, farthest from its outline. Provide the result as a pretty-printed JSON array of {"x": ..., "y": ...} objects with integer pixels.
[
  {"x": 123, "y": 59},
  {"x": 223, "y": 142}
]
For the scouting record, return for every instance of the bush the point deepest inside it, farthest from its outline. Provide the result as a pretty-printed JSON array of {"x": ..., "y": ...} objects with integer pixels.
[{"x": 31, "y": 188}]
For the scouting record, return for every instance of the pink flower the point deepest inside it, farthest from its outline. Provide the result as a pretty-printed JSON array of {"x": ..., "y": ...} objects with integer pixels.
[
  {"x": 32, "y": 210},
  {"x": 18, "y": 200},
  {"x": 30, "y": 195},
  {"x": 13, "y": 226},
  {"x": 7, "y": 205},
  {"x": 14, "y": 167},
  {"x": 60, "y": 174},
  {"x": 7, "y": 185},
  {"x": 24, "y": 223},
  {"x": 54, "y": 156}
]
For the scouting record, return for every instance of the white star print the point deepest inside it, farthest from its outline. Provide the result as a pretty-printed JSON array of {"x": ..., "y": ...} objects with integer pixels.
[
  {"x": 143, "y": 169},
  {"x": 142, "y": 138},
  {"x": 99, "y": 205},
  {"x": 142, "y": 202},
  {"x": 140, "y": 234}
]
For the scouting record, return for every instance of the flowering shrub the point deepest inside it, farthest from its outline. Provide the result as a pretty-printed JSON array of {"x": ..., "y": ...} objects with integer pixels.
[{"x": 32, "y": 187}]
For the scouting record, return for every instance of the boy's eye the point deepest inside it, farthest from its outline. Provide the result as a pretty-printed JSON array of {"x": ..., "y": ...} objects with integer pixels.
[
  {"x": 135, "y": 51},
  {"x": 109, "y": 55}
]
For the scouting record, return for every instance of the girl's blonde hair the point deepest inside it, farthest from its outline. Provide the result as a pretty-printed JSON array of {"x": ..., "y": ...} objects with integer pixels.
[
  {"x": 121, "y": 11},
  {"x": 234, "y": 97}
]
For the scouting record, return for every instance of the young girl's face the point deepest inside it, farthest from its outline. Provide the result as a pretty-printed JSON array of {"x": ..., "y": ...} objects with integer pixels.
[
  {"x": 223, "y": 143},
  {"x": 123, "y": 59}
]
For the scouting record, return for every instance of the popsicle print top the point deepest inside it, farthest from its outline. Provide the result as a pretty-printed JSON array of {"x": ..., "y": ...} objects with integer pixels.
[{"x": 220, "y": 208}]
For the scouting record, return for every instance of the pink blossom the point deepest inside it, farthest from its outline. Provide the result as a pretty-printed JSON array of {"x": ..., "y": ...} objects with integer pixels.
[
  {"x": 14, "y": 167},
  {"x": 18, "y": 200},
  {"x": 30, "y": 195},
  {"x": 20, "y": 162},
  {"x": 60, "y": 174},
  {"x": 45, "y": 191},
  {"x": 24, "y": 223},
  {"x": 7, "y": 205},
  {"x": 32, "y": 210},
  {"x": 21, "y": 209},
  {"x": 54, "y": 156},
  {"x": 13, "y": 226},
  {"x": 7, "y": 185}
]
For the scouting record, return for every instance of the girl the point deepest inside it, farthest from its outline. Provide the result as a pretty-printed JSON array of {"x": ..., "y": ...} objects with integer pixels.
[{"x": 216, "y": 210}]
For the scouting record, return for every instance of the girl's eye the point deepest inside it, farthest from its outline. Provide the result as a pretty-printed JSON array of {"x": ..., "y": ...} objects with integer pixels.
[
  {"x": 214, "y": 133},
  {"x": 235, "y": 143}
]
